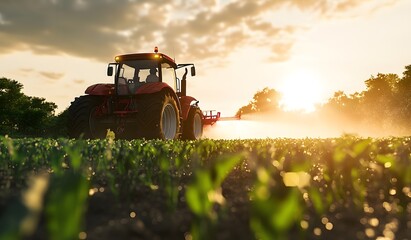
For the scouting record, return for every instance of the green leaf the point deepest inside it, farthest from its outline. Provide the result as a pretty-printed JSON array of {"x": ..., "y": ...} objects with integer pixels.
[
  {"x": 224, "y": 167},
  {"x": 388, "y": 158},
  {"x": 74, "y": 153},
  {"x": 316, "y": 199},
  {"x": 339, "y": 154},
  {"x": 287, "y": 211},
  {"x": 66, "y": 206},
  {"x": 360, "y": 147},
  {"x": 197, "y": 194}
]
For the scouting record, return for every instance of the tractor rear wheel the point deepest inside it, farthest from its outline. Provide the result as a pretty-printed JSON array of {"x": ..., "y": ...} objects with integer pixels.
[
  {"x": 193, "y": 126},
  {"x": 158, "y": 117},
  {"x": 82, "y": 118}
]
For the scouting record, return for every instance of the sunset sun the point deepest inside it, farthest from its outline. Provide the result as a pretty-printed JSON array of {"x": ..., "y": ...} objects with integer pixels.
[{"x": 300, "y": 91}]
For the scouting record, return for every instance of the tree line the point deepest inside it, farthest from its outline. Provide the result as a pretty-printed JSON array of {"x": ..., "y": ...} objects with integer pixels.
[
  {"x": 25, "y": 116},
  {"x": 386, "y": 102}
]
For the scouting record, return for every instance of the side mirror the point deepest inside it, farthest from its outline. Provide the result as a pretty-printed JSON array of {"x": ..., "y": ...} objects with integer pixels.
[
  {"x": 193, "y": 71},
  {"x": 110, "y": 71}
]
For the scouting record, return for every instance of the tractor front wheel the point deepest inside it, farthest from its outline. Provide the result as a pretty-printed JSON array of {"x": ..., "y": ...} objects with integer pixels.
[{"x": 83, "y": 118}]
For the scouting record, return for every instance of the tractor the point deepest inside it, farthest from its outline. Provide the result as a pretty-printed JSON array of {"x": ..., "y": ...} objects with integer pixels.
[{"x": 147, "y": 100}]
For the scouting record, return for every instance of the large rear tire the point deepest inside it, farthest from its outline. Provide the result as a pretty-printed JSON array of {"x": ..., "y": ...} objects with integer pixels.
[
  {"x": 82, "y": 118},
  {"x": 193, "y": 126},
  {"x": 158, "y": 117}
]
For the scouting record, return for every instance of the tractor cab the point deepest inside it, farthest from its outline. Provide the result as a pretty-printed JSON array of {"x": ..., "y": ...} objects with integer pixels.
[{"x": 133, "y": 71}]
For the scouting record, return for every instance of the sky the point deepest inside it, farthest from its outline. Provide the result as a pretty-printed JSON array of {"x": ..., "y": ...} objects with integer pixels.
[{"x": 305, "y": 49}]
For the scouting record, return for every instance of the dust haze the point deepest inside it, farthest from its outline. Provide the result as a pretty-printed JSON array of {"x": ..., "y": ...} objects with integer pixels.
[{"x": 298, "y": 125}]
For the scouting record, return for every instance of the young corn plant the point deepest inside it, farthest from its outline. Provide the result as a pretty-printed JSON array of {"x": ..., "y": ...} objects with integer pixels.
[
  {"x": 277, "y": 204},
  {"x": 205, "y": 192},
  {"x": 67, "y": 196}
]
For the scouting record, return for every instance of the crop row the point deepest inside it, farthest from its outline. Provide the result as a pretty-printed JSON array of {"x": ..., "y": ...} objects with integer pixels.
[{"x": 282, "y": 188}]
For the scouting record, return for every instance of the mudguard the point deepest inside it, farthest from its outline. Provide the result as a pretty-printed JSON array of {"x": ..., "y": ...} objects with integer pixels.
[
  {"x": 101, "y": 89},
  {"x": 185, "y": 102}
]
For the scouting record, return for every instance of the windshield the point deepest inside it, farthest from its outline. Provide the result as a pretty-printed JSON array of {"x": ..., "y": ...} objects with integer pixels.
[
  {"x": 133, "y": 74},
  {"x": 139, "y": 70}
]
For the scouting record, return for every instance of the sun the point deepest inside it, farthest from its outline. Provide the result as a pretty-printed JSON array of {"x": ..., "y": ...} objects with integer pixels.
[{"x": 301, "y": 91}]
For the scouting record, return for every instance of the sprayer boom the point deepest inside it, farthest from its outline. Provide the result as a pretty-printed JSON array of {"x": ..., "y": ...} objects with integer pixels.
[{"x": 211, "y": 117}]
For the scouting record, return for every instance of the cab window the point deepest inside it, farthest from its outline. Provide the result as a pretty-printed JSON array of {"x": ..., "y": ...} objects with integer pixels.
[{"x": 168, "y": 75}]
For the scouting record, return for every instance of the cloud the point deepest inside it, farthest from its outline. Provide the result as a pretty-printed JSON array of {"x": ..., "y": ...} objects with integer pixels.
[
  {"x": 282, "y": 51},
  {"x": 194, "y": 30},
  {"x": 2, "y": 20},
  {"x": 27, "y": 70},
  {"x": 79, "y": 81},
  {"x": 51, "y": 75}
]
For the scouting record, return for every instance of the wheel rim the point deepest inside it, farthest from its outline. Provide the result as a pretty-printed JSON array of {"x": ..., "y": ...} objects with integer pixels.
[
  {"x": 169, "y": 122},
  {"x": 197, "y": 126}
]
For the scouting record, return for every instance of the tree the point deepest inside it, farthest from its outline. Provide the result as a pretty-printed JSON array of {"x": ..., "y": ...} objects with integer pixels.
[
  {"x": 265, "y": 100},
  {"x": 348, "y": 105},
  {"x": 10, "y": 100},
  {"x": 21, "y": 115},
  {"x": 59, "y": 125},
  {"x": 404, "y": 96},
  {"x": 385, "y": 103},
  {"x": 380, "y": 98},
  {"x": 36, "y": 119}
]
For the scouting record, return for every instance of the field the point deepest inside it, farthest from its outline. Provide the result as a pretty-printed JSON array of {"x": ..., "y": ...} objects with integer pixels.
[{"x": 340, "y": 188}]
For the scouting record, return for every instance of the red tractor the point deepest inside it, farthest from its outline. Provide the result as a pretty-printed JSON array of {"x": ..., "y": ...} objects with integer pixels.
[{"x": 147, "y": 100}]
